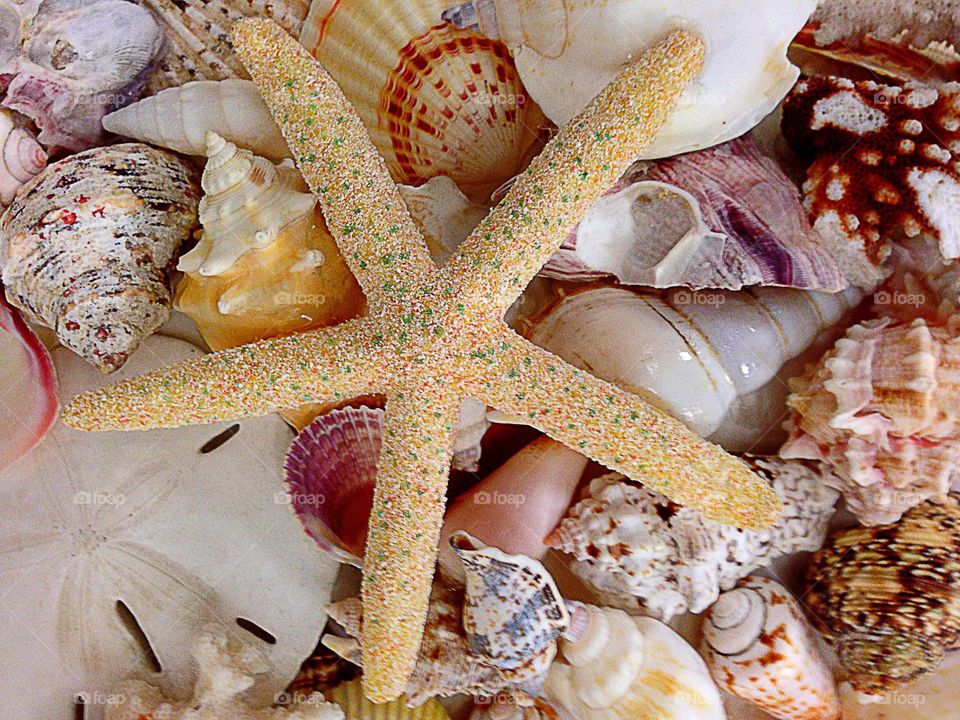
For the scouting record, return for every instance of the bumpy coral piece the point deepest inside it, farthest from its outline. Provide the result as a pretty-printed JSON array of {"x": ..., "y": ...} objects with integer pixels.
[
  {"x": 909, "y": 21},
  {"x": 226, "y": 670},
  {"x": 87, "y": 245},
  {"x": 887, "y": 596},
  {"x": 884, "y": 157},
  {"x": 883, "y": 409},
  {"x": 433, "y": 337},
  {"x": 637, "y": 546}
]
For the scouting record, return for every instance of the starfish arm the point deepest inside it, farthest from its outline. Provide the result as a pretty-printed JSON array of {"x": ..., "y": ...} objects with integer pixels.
[
  {"x": 315, "y": 366},
  {"x": 582, "y": 162},
  {"x": 622, "y": 432},
  {"x": 404, "y": 531},
  {"x": 362, "y": 205}
]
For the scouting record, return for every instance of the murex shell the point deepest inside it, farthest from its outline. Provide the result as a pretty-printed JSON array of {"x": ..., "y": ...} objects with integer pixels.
[
  {"x": 21, "y": 157},
  {"x": 265, "y": 265},
  {"x": 86, "y": 247},
  {"x": 888, "y": 597},
  {"x": 883, "y": 159},
  {"x": 78, "y": 60},
  {"x": 719, "y": 218},
  {"x": 436, "y": 99},
  {"x": 619, "y": 666},
  {"x": 567, "y": 51},
  {"x": 760, "y": 647},
  {"x": 498, "y": 636},
  {"x": 883, "y": 410},
  {"x": 637, "y": 547}
]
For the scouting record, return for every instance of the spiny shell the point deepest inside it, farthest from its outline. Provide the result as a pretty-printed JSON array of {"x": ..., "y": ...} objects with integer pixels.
[
  {"x": 179, "y": 118},
  {"x": 355, "y": 706},
  {"x": 631, "y": 667},
  {"x": 198, "y": 35},
  {"x": 637, "y": 546},
  {"x": 883, "y": 409},
  {"x": 266, "y": 265},
  {"x": 78, "y": 60},
  {"x": 87, "y": 244},
  {"x": 21, "y": 157},
  {"x": 436, "y": 99},
  {"x": 888, "y": 596},
  {"x": 760, "y": 647},
  {"x": 720, "y": 218}
]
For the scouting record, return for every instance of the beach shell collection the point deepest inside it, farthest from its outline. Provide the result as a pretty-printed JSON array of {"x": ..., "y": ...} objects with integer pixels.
[{"x": 714, "y": 273}]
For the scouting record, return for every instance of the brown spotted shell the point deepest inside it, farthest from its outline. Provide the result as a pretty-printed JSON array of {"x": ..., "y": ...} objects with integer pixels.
[{"x": 888, "y": 597}]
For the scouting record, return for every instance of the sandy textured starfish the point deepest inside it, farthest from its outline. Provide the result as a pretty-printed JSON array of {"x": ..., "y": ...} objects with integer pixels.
[{"x": 436, "y": 335}]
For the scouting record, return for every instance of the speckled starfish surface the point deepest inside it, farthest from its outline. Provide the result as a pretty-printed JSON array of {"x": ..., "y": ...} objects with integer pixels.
[{"x": 436, "y": 335}]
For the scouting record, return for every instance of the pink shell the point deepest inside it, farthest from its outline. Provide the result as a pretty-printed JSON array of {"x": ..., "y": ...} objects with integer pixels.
[
  {"x": 330, "y": 471},
  {"x": 30, "y": 401}
]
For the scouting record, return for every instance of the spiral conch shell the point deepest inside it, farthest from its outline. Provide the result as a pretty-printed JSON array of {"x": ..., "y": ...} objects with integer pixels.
[
  {"x": 86, "y": 246},
  {"x": 760, "y": 647},
  {"x": 630, "y": 667},
  {"x": 883, "y": 409},
  {"x": 888, "y": 596},
  {"x": 266, "y": 264},
  {"x": 634, "y": 545},
  {"x": 21, "y": 157}
]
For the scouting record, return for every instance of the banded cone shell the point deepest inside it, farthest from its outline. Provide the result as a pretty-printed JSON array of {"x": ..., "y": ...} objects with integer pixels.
[
  {"x": 436, "y": 99},
  {"x": 87, "y": 245},
  {"x": 760, "y": 647},
  {"x": 888, "y": 597}
]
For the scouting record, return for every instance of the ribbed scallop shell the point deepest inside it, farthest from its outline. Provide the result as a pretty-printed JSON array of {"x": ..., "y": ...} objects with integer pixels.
[
  {"x": 87, "y": 244},
  {"x": 760, "y": 647},
  {"x": 21, "y": 157},
  {"x": 179, "y": 118},
  {"x": 355, "y": 706},
  {"x": 889, "y": 596},
  {"x": 436, "y": 99},
  {"x": 639, "y": 548},
  {"x": 329, "y": 473},
  {"x": 198, "y": 33},
  {"x": 883, "y": 409}
]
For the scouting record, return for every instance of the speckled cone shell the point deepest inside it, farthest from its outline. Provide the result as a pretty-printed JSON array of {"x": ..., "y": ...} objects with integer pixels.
[
  {"x": 760, "y": 647},
  {"x": 266, "y": 264},
  {"x": 889, "y": 597},
  {"x": 87, "y": 244}
]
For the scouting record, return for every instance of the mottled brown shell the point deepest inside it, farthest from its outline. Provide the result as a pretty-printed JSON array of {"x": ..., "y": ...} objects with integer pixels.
[{"x": 889, "y": 596}]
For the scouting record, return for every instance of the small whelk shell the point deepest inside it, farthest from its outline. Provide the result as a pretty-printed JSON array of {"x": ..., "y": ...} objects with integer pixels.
[
  {"x": 760, "y": 647},
  {"x": 21, "y": 157},
  {"x": 887, "y": 596},
  {"x": 86, "y": 247}
]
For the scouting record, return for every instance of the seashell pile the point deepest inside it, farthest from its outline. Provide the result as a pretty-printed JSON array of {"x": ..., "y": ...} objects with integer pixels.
[
  {"x": 883, "y": 410},
  {"x": 87, "y": 246},
  {"x": 887, "y": 596},
  {"x": 635, "y": 546}
]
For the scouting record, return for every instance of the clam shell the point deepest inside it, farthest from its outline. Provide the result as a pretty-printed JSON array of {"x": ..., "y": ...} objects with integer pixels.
[
  {"x": 198, "y": 36},
  {"x": 436, "y": 99},
  {"x": 21, "y": 157},
  {"x": 329, "y": 473},
  {"x": 887, "y": 596},
  {"x": 179, "y": 119},
  {"x": 355, "y": 706},
  {"x": 721, "y": 218},
  {"x": 760, "y": 647},
  {"x": 87, "y": 244}
]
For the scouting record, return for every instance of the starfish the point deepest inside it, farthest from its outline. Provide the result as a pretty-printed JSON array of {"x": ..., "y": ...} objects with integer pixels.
[{"x": 433, "y": 336}]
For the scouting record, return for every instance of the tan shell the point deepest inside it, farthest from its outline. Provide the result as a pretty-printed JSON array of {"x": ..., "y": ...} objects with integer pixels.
[
  {"x": 21, "y": 156},
  {"x": 87, "y": 245},
  {"x": 888, "y": 596}
]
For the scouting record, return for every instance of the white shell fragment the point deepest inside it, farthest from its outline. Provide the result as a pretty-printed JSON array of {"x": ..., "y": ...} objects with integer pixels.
[{"x": 97, "y": 575}]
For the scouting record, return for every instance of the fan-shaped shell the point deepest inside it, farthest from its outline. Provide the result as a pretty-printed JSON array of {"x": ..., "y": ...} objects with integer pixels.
[
  {"x": 888, "y": 596},
  {"x": 355, "y": 706},
  {"x": 436, "y": 99}
]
